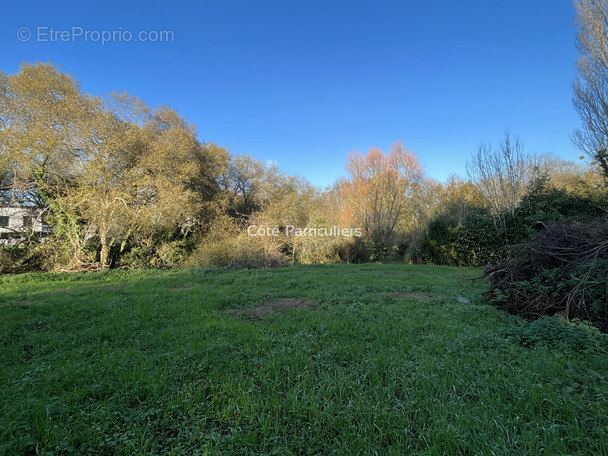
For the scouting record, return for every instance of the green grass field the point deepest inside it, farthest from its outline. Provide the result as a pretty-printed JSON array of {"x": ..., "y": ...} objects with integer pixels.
[{"x": 307, "y": 360}]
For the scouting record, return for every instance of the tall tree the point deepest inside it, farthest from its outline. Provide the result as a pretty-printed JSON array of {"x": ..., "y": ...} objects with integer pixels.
[
  {"x": 42, "y": 118},
  {"x": 106, "y": 167},
  {"x": 591, "y": 85},
  {"x": 381, "y": 190},
  {"x": 135, "y": 163},
  {"x": 503, "y": 174}
]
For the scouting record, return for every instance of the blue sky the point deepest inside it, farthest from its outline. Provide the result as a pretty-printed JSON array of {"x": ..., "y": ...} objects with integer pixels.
[{"x": 305, "y": 82}]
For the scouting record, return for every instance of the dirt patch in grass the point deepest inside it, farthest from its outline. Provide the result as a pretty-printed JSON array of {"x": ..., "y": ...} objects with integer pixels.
[
  {"x": 408, "y": 295},
  {"x": 268, "y": 309},
  {"x": 182, "y": 288},
  {"x": 86, "y": 288}
]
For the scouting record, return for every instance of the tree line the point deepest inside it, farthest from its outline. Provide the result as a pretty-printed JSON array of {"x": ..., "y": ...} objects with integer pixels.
[{"x": 124, "y": 184}]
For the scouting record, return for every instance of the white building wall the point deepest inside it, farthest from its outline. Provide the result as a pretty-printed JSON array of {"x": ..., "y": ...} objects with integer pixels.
[{"x": 15, "y": 222}]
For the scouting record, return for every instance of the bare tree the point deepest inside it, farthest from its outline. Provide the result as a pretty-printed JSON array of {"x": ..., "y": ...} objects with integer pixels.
[
  {"x": 502, "y": 174},
  {"x": 591, "y": 85}
]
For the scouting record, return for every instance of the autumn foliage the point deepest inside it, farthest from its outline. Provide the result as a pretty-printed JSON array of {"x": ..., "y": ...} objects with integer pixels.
[{"x": 124, "y": 184}]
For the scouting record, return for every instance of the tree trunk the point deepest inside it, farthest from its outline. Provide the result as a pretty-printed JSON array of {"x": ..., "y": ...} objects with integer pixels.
[{"x": 104, "y": 256}]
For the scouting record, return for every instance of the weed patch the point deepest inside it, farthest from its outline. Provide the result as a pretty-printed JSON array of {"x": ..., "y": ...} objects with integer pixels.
[{"x": 269, "y": 309}]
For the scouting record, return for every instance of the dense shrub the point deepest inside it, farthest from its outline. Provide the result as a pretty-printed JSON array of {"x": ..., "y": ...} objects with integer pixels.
[
  {"x": 317, "y": 249},
  {"x": 22, "y": 258},
  {"x": 236, "y": 252},
  {"x": 545, "y": 204},
  {"x": 158, "y": 255},
  {"x": 353, "y": 250},
  {"x": 226, "y": 244},
  {"x": 437, "y": 244},
  {"x": 480, "y": 239},
  {"x": 483, "y": 239}
]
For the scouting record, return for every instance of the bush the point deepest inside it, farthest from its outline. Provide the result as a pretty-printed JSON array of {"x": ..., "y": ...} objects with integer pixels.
[
  {"x": 318, "y": 250},
  {"x": 437, "y": 244},
  {"x": 353, "y": 250},
  {"x": 227, "y": 245},
  {"x": 161, "y": 256},
  {"x": 482, "y": 239},
  {"x": 237, "y": 252},
  {"x": 10, "y": 260},
  {"x": 545, "y": 204},
  {"x": 22, "y": 258},
  {"x": 479, "y": 240}
]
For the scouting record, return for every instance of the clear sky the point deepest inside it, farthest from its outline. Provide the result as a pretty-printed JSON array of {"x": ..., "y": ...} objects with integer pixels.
[{"x": 305, "y": 82}]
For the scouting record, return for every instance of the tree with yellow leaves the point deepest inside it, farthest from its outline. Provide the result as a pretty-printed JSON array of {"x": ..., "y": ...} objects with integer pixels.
[
  {"x": 382, "y": 192},
  {"x": 107, "y": 167}
]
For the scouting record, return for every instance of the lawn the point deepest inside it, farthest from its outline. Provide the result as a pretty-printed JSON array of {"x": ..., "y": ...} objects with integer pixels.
[{"x": 307, "y": 360}]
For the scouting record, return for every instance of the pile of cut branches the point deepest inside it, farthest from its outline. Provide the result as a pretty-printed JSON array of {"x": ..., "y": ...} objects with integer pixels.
[{"x": 562, "y": 272}]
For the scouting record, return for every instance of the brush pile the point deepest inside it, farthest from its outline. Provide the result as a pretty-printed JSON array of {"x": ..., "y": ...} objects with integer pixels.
[{"x": 563, "y": 272}]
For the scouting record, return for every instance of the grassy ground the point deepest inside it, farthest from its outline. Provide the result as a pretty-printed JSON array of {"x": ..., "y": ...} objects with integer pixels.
[{"x": 361, "y": 360}]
